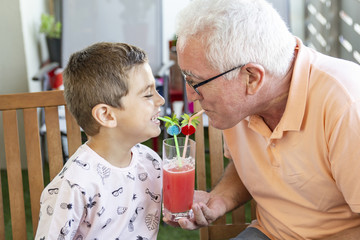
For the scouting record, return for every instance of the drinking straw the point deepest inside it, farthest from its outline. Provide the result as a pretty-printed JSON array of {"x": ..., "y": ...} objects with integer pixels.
[
  {"x": 187, "y": 136},
  {"x": 177, "y": 148}
]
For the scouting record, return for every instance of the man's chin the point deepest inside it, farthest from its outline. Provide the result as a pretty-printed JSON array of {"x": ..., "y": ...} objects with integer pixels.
[
  {"x": 216, "y": 124},
  {"x": 220, "y": 124}
]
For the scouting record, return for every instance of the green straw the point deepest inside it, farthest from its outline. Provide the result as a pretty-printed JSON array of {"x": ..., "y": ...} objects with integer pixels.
[
  {"x": 175, "y": 139},
  {"x": 177, "y": 147}
]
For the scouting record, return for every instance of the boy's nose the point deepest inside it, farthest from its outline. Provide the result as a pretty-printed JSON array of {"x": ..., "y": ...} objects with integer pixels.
[{"x": 161, "y": 100}]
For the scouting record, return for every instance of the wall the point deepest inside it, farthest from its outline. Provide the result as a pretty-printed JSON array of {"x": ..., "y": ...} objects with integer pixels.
[
  {"x": 170, "y": 9},
  {"x": 12, "y": 58},
  {"x": 147, "y": 24},
  {"x": 297, "y": 17},
  {"x": 19, "y": 44},
  {"x": 34, "y": 42}
]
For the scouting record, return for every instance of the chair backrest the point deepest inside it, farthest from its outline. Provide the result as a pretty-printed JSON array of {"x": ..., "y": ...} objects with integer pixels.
[
  {"x": 212, "y": 168},
  {"x": 29, "y": 104}
]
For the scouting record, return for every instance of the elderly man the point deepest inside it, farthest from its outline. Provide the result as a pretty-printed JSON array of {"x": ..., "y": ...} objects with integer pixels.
[{"x": 290, "y": 118}]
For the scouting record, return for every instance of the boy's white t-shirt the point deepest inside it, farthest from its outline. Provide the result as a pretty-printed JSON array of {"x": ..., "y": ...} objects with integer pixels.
[{"x": 92, "y": 199}]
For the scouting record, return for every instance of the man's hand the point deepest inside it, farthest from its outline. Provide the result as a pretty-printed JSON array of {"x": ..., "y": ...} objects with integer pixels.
[{"x": 206, "y": 208}]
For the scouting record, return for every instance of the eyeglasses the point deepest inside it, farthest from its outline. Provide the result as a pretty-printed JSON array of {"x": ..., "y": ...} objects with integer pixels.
[{"x": 195, "y": 86}]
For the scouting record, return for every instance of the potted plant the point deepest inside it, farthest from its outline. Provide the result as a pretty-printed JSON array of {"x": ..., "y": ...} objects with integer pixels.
[{"x": 52, "y": 31}]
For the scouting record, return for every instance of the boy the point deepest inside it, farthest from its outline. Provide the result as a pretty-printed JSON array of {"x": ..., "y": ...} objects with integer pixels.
[{"x": 111, "y": 187}]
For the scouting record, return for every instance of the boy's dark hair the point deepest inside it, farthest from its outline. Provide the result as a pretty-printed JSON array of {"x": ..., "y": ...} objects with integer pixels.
[{"x": 98, "y": 74}]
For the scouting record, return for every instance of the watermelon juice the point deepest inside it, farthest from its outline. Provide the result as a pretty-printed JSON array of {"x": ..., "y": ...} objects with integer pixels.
[{"x": 178, "y": 187}]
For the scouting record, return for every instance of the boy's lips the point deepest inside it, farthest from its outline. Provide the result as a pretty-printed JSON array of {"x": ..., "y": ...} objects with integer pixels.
[{"x": 155, "y": 117}]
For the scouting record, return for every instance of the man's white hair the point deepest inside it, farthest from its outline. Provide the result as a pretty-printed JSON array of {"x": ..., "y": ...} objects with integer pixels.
[{"x": 235, "y": 32}]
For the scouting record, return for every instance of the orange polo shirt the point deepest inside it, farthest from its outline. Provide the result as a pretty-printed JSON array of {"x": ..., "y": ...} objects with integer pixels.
[{"x": 305, "y": 174}]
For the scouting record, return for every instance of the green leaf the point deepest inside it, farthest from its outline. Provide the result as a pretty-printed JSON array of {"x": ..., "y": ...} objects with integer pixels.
[
  {"x": 185, "y": 116},
  {"x": 175, "y": 119},
  {"x": 169, "y": 121},
  {"x": 195, "y": 122},
  {"x": 185, "y": 120}
]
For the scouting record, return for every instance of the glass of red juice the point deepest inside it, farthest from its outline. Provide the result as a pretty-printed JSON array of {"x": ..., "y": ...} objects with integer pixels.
[{"x": 178, "y": 178}]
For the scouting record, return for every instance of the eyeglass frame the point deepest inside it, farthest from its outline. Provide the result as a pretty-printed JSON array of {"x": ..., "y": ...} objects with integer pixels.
[{"x": 194, "y": 87}]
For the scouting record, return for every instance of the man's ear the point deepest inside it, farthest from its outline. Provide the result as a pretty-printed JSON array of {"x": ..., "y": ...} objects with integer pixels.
[
  {"x": 104, "y": 115},
  {"x": 255, "y": 77}
]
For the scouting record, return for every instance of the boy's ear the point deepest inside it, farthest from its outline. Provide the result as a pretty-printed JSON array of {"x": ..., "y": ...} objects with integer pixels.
[
  {"x": 104, "y": 115},
  {"x": 255, "y": 77}
]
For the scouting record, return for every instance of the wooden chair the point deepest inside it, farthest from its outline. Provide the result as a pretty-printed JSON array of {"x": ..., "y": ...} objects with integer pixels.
[
  {"x": 223, "y": 228},
  {"x": 11, "y": 107}
]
